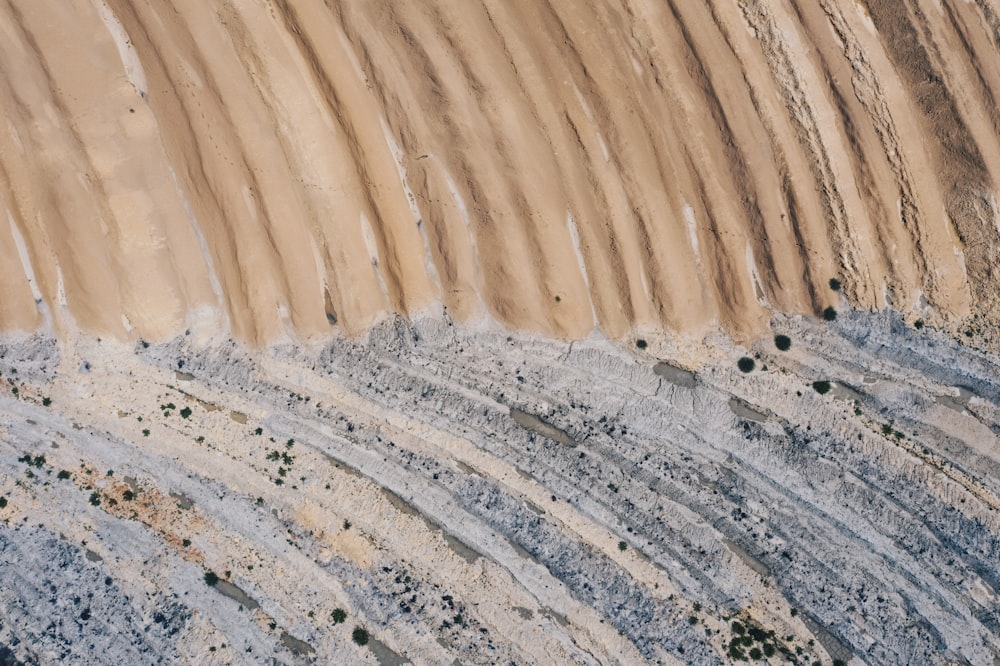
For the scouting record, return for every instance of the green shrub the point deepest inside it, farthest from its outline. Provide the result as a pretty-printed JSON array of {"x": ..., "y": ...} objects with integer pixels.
[
  {"x": 622, "y": 546},
  {"x": 3, "y": 502},
  {"x": 641, "y": 344},
  {"x": 835, "y": 284},
  {"x": 829, "y": 314},
  {"x": 46, "y": 401},
  {"x": 782, "y": 342},
  {"x": 746, "y": 364},
  {"x": 359, "y": 636},
  {"x": 185, "y": 413},
  {"x": 338, "y": 615},
  {"x": 63, "y": 474},
  {"x": 821, "y": 386},
  {"x": 211, "y": 579},
  {"x": 95, "y": 499}
]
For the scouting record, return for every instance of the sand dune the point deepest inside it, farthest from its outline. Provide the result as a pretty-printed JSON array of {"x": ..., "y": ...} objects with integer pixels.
[{"x": 263, "y": 169}]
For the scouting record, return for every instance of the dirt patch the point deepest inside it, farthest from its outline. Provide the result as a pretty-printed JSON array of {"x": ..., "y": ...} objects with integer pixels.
[
  {"x": 674, "y": 375},
  {"x": 743, "y": 410},
  {"x": 384, "y": 654},
  {"x": 960, "y": 403},
  {"x": 540, "y": 427},
  {"x": 747, "y": 558},
  {"x": 183, "y": 501},
  {"x": 300, "y": 648},
  {"x": 846, "y": 393},
  {"x": 461, "y": 549},
  {"x": 227, "y": 589}
]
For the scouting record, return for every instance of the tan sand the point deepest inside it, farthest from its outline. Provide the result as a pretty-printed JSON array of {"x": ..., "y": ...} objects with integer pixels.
[{"x": 263, "y": 169}]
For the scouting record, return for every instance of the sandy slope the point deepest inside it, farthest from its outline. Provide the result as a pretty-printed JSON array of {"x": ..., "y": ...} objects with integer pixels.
[{"x": 260, "y": 167}]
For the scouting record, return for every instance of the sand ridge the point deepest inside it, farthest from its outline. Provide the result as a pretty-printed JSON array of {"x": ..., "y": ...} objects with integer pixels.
[{"x": 265, "y": 169}]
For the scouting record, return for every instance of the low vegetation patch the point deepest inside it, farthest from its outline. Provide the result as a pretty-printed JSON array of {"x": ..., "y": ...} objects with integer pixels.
[
  {"x": 746, "y": 364},
  {"x": 782, "y": 342}
]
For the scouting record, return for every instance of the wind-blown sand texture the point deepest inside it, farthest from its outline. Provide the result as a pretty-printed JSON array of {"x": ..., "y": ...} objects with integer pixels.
[{"x": 265, "y": 168}]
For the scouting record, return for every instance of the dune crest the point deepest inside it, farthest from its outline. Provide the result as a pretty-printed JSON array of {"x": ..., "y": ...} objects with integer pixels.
[{"x": 257, "y": 169}]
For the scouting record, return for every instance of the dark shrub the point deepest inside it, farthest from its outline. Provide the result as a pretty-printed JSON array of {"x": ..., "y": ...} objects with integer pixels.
[
  {"x": 829, "y": 314},
  {"x": 783, "y": 342},
  {"x": 746, "y": 364},
  {"x": 338, "y": 615},
  {"x": 640, "y": 343},
  {"x": 211, "y": 579},
  {"x": 359, "y": 636},
  {"x": 835, "y": 284},
  {"x": 821, "y": 386}
]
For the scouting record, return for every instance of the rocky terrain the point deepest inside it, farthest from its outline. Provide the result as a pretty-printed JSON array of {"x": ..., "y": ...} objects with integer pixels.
[{"x": 482, "y": 496}]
